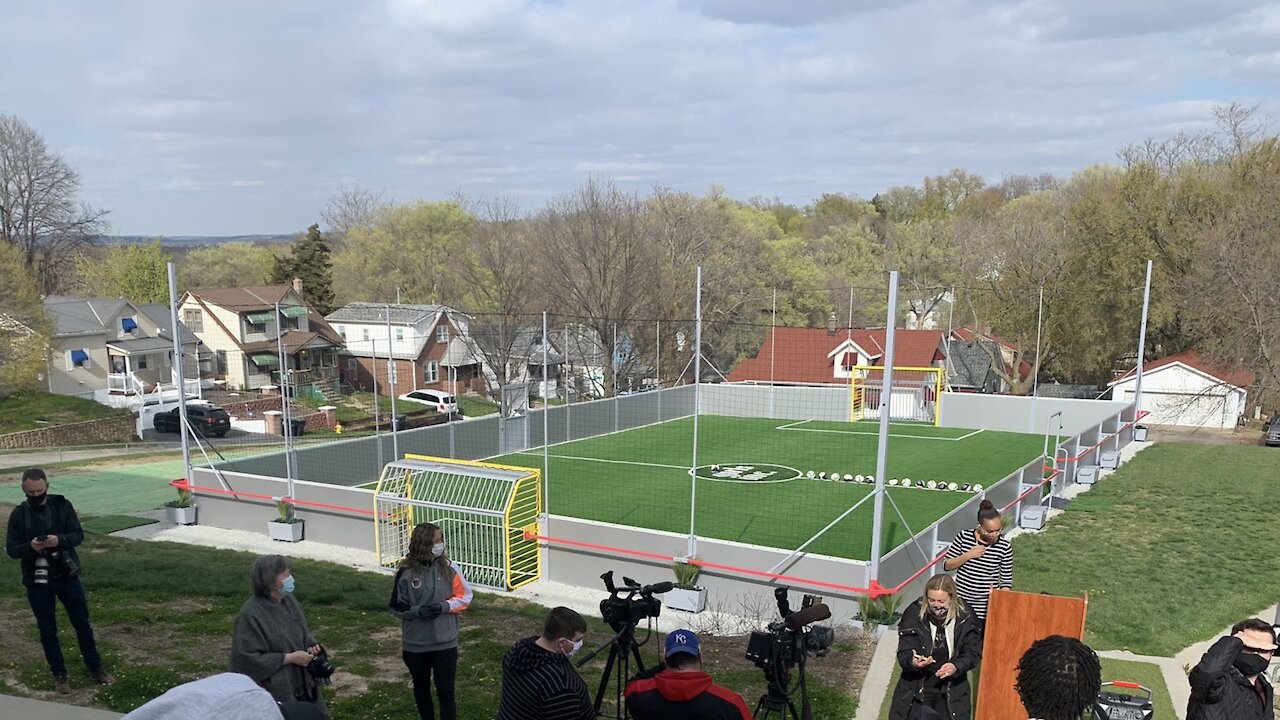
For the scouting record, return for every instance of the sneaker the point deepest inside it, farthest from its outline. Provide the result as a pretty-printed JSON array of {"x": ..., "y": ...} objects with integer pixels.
[
  {"x": 102, "y": 676},
  {"x": 61, "y": 685}
]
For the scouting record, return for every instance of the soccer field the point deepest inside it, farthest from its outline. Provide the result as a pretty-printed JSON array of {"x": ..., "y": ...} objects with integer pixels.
[{"x": 762, "y": 493}]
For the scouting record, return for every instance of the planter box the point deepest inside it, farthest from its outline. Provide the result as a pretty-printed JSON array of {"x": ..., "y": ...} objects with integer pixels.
[
  {"x": 287, "y": 532},
  {"x": 694, "y": 601},
  {"x": 876, "y": 630},
  {"x": 180, "y": 515}
]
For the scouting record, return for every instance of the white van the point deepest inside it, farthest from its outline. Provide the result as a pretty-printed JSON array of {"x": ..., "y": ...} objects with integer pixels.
[{"x": 439, "y": 401}]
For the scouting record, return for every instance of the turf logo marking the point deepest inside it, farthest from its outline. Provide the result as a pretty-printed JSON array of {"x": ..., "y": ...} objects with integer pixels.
[{"x": 753, "y": 473}]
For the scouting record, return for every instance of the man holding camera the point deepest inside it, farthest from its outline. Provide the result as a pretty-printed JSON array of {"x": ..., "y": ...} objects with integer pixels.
[
  {"x": 681, "y": 689},
  {"x": 43, "y": 533}
]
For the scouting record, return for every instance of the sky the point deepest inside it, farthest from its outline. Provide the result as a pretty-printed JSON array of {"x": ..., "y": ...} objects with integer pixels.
[{"x": 245, "y": 117}]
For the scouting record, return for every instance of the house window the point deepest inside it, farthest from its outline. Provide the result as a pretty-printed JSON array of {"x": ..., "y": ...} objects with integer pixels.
[
  {"x": 77, "y": 359},
  {"x": 193, "y": 319},
  {"x": 442, "y": 334},
  {"x": 221, "y": 367},
  {"x": 128, "y": 325},
  {"x": 353, "y": 365},
  {"x": 399, "y": 334},
  {"x": 364, "y": 334},
  {"x": 141, "y": 363},
  {"x": 289, "y": 323},
  {"x": 256, "y": 327},
  {"x": 431, "y": 371},
  {"x": 342, "y": 330}
]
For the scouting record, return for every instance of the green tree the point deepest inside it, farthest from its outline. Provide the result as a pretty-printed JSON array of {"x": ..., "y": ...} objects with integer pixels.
[
  {"x": 24, "y": 326},
  {"x": 233, "y": 264},
  {"x": 137, "y": 272},
  {"x": 412, "y": 247},
  {"x": 310, "y": 261}
]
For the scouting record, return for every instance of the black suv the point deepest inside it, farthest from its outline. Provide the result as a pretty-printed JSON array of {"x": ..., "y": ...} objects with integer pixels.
[{"x": 205, "y": 419}]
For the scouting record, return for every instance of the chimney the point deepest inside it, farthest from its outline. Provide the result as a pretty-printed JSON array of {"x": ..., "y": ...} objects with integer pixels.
[
  {"x": 297, "y": 285},
  {"x": 831, "y": 324}
]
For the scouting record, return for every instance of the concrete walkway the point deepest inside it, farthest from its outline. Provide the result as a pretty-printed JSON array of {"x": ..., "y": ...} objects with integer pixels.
[{"x": 16, "y": 708}]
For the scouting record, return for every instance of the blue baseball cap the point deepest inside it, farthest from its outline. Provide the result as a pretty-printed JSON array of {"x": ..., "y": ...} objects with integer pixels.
[{"x": 682, "y": 641}]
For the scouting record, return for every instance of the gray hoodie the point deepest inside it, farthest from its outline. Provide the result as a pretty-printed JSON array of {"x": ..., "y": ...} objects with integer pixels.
[{"x": 414, "y": 592}]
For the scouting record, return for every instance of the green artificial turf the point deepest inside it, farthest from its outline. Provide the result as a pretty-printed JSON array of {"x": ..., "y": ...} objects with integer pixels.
[
  {"x": 640, "y": 477},
  {"x": 107, "y": 524}
]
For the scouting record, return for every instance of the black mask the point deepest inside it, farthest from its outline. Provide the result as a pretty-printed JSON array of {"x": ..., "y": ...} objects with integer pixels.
[
  {"x": 37, "y": 500},
  {"x": 1250, "y": 664}
]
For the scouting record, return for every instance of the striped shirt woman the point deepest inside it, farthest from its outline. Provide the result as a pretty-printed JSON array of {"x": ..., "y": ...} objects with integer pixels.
[{"x": 982, "y": 560}]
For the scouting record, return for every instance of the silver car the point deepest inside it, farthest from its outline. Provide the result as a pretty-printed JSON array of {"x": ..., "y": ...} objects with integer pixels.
[{"x": 1273, "y": 432}]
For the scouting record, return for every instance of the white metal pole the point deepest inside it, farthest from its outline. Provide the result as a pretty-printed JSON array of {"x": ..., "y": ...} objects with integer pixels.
[
  {"x": 1035, "y": 366},
  {"x": 773, "y": 352},
  {"x": 697, "y": 381},
  {"x": 285, "y": 425},
  {"x": 657, "y": 363},
  {"x": 179, "y": 372},
  {"x": 886, "y": 403},
  {"x": 613, "y": 362},
  {"x": 546, "y": 420},
  {"x": 391, "y": 384},
  {"x": 377, "y": 403},
  {"x": 1142, "y": 344}
]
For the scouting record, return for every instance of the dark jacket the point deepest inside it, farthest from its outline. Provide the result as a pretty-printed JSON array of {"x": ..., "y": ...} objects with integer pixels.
[
  {"x": 672, "y": 695},
  {"x": 1220, "y": 692},
  {"x": 916, "y": 634},
  {"x": 55, "y": 517},
  {"x": 541, "y": 685}
]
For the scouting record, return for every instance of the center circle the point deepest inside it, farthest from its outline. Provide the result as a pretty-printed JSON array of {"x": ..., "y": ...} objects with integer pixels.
[{"x": 748, "y": 473}]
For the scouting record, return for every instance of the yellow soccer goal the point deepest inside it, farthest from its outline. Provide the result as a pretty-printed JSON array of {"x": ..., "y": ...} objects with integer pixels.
[{"x": 915, "y": 395}]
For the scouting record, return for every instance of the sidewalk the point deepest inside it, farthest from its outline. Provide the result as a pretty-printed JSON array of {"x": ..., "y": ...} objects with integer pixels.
[{"x": 27, "y": 709}]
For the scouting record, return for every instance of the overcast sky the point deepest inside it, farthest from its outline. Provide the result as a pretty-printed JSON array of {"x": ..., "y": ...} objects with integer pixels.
[{"x": 244, "y": 116}]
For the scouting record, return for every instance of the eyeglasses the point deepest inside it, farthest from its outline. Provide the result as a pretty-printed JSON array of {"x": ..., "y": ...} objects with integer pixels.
[{"x": 1260, "y": 651}]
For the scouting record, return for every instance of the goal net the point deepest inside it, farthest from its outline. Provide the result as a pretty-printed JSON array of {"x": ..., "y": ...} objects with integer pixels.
[{"x": 913, "y": 397}]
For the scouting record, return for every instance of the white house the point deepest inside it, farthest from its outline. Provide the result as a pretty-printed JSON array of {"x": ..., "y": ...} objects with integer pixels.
[{"x": 1189, "y": 390}]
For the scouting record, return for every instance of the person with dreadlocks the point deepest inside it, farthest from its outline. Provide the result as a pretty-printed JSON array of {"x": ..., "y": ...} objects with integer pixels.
[
  {"x": 939, "y": 642},
  {"x": 428, "y": 594},
  {"x": 1059, "y": 679}
]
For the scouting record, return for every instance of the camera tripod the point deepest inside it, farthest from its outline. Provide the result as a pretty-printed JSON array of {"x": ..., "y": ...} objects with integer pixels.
[
  {"x": 622, "y": 650},
  {"x": 777, "y": 701}
]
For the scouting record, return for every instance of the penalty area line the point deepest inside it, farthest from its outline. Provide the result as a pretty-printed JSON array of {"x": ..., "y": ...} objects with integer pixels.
[
  {"x": 602, "y": 460},
  {"x": 872, "y": 434}
]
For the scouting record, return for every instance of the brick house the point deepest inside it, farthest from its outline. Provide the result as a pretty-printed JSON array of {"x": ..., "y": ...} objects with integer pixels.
[
  {"x": 428, "y": 345},
  {"x": 822, "y": 356}
]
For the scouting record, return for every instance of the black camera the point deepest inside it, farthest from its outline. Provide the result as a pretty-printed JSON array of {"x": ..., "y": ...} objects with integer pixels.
[
  {"x": 631, "y": 603},
  {"x": 789, "y": 641},
  {"x": 320, "y": 667},
  {"x": 54, "y": 563}
]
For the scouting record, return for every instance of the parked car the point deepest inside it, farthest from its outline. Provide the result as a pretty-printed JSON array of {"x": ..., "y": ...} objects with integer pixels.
[
  {"x": 1273, "y": 432},
  {"x": 439, "y": 401},
  {"x": 206, "y": 420}
]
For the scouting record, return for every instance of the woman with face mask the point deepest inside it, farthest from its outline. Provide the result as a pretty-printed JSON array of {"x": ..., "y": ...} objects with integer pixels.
[
  {"x": 982, "y": 560},
  {"x": 271, "y": 642},
  {"x": 428, "y": 594},
  {"x": 939, "y": 642}
]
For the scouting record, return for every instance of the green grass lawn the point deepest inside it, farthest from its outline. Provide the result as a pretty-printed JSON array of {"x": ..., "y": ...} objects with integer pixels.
[
  {"x": 160, "y": 624},
  {"x": 1144, "y": 674},
  {"x": 475, "y": 406},
  {"x": 1173, "y": 548},
  {"x": 28, "y": 411},
  {"x": 640, "y": 477}
]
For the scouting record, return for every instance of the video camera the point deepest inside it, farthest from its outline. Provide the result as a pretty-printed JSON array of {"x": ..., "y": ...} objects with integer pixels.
[
  {"x": 789, "y": 640},
  {"x": 631, "y": 603}
]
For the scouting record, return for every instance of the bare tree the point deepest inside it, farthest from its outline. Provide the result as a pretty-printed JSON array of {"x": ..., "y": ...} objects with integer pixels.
[
  {"x": 39, "y": 209},
  {"x": 351, "y": 207}
]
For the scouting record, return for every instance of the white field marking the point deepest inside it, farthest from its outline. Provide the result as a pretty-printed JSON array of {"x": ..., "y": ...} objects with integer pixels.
[
  {"x": 794, "y": 427},
  {"x": 602, "y": 460},
  {"x": 589, "y": 437},
  {"x": 798, "y": 475}
]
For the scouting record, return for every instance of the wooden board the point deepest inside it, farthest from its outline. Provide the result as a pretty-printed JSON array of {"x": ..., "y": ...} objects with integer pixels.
[{"x": 1015, "y": 620}]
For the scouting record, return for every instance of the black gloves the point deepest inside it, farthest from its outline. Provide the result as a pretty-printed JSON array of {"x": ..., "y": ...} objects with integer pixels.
[{"x": 432, "y": 611}]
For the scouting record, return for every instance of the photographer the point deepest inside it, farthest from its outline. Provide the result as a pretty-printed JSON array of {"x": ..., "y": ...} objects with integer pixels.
[
  {"x": 43, "y": 533},
  {"x": 682, "y": 690},
  {"x": 939, "y": 642},
  {"x": 538, "y": 681},
  {"x": 271, "y": 642},
  {"x": 1228, "y": 682},
  {"x": 427, "y": 595}
]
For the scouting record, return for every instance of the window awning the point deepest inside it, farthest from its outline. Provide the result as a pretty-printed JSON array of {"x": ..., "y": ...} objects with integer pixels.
[
  {"x": 128, "y": 324},
  {"x": 849, "y": 359},
  {"x": 265, "y": 360},
  {"x": 294, "y": 311},
  {"x": 79, "y": 356},
  {"x": 260, "y": 318}
]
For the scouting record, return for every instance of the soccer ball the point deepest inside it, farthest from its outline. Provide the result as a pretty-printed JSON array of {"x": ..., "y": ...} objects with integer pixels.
[
  {"x": 894, "y": 481},
  {"x": 964, "y": 487},
  {"x": 977, "y": 488},
  {"x": 932, "y": 485},
  {"x": 811, "y": 474},
  {"x": 715, "y": 468},
  {"x": 835, "y": 476},
  {"x": 822, "y": 476},
  {"x": 953, "y": 487},
  {"x": 871, "y": 479},
  {"x": 848, "y": 477},
  {"x": 859, "y": 478},
  {"x": 906, "y": 482}
]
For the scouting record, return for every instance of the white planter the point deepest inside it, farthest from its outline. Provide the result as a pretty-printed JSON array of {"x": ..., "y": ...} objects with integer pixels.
[
  {"x": 288, "y": 532},
  {"x": 875, "y": 629},
  {"x": 181, "y": 515},
  {"x": 694, "y": 601}
]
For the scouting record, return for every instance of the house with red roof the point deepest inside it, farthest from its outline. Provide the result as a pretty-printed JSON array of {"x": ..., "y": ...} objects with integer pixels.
[
  {"x": 1188, "y": 389},
  {"x": 821, "y": 356}
]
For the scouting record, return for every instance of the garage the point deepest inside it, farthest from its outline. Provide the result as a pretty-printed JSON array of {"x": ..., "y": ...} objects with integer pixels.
[{"x": 1187, "y": 390}]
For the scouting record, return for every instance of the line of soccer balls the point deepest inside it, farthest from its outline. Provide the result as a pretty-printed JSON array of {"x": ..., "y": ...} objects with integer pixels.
[{"x": 895, "y": 482}]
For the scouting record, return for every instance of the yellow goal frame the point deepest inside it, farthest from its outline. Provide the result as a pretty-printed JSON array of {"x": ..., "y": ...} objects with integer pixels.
[{"x": 858, "y": 387}]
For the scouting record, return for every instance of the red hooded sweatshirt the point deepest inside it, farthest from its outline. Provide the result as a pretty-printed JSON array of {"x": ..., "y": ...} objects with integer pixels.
[{"x": 689, "y": 695}]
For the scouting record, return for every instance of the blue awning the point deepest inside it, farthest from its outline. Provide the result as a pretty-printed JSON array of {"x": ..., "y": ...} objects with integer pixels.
[
  {"x": 128, "y": 324},
  {"x": 79, "y": 356}
]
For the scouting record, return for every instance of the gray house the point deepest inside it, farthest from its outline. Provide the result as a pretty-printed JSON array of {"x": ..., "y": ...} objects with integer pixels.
[{"x": 115, "y": 352}]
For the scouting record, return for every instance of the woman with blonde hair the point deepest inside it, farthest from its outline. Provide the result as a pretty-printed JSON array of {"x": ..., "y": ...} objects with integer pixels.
[
  {"x": 939, "y": 642},
  {"x": 428, "y": 594}
]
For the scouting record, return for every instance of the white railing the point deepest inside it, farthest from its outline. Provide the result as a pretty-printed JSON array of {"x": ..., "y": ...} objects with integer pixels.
[{"x": 126, "y": 383}]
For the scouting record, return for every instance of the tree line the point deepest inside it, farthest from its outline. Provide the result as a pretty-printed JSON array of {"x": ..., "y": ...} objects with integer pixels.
[{"x": 1054, "y": 266}]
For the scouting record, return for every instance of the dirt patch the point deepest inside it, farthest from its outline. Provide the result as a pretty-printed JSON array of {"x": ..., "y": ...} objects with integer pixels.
[{"x": 1204, "y": 436}]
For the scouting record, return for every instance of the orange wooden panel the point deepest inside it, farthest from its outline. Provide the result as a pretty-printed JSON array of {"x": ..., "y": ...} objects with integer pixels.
[{"x": 1014, "y": 621}]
